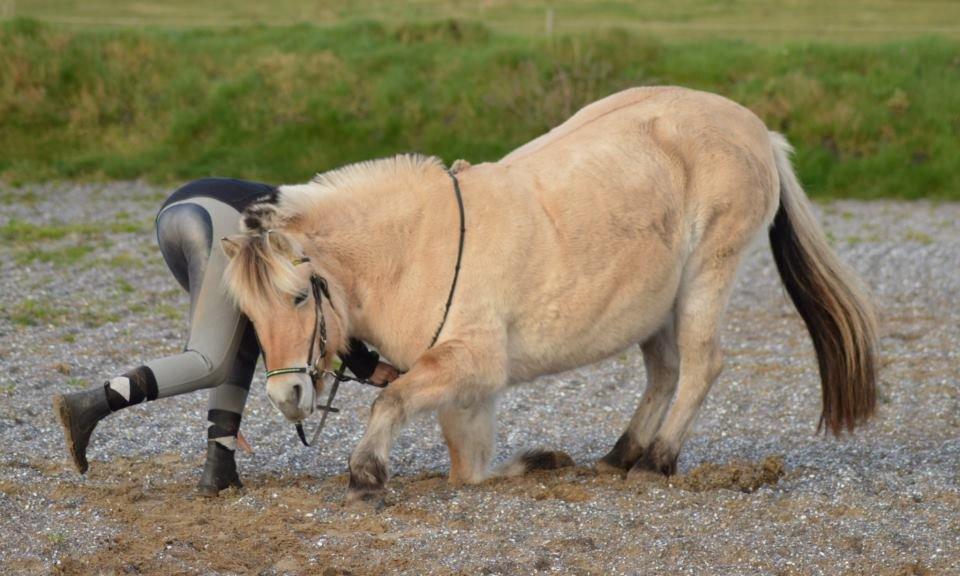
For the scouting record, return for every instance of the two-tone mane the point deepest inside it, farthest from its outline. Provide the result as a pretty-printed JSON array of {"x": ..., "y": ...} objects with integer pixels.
[
  {"x": 262, "y": 271},
  {"x": 297, "y": 202}
]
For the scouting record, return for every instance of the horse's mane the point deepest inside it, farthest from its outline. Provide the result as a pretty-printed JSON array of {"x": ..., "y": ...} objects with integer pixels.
[
  {"x": 262, "y": 269},
  {"x": 301, "y": 200}
]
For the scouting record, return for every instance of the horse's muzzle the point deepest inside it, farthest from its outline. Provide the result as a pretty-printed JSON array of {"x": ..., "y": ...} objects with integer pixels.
[{"x": 293, "y": 395}]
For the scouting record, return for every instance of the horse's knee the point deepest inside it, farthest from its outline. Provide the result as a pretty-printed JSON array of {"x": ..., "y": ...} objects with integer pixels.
[{"x": 388, "y": 405}]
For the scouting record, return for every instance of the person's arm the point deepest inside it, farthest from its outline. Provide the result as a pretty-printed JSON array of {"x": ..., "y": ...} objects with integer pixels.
[
  {"x": 360, "y": 360},
  {"x": 364, "y": 363}
]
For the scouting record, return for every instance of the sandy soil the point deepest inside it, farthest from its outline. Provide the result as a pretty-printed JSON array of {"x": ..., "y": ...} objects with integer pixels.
[{"x": 758, "y": 491}]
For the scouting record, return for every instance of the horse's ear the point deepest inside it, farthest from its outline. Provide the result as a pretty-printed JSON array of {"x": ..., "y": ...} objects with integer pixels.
[{"x": 232, "y": 245}]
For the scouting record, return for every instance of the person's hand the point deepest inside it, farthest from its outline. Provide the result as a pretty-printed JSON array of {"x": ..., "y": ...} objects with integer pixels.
[
  {"x": 384, "y": 374},
  {"x": 243, "y": 444}
]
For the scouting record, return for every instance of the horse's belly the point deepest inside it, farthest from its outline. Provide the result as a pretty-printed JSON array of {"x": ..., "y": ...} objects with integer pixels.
[{"x": 582, "y": 328}]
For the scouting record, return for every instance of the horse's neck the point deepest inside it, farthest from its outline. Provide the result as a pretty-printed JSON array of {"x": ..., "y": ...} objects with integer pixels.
[{"x": 365, "y": 240}]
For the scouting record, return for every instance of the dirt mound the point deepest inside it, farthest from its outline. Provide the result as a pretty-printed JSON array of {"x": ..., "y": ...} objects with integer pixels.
[{"x": 740, "y": 476}]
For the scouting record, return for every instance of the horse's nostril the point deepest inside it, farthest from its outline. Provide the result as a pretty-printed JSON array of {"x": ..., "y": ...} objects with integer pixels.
[{"x": 297, "y": 393}]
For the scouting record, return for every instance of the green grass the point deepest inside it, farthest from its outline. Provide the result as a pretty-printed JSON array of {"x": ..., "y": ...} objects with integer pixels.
[
  {"x": 280, "y": 103},
  {"x": 34, "y": 313},
  {"x": 59, "y": 256},
  {"x": 37, "y": 312},
  {"x": 60, "y": 243},
  {"x": 919, "y": 237},
  {"x": 125, "y": 260},
  {"x": 22, "y": 197},
  {"x": 677, "y": 20},
  {"x": 75, "y": 382},
  {"x": 125, "y": 287},
  {"x": 20, "y": 231}
]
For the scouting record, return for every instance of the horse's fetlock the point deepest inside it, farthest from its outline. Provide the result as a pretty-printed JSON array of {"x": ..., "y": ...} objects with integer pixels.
[
  {"x": 623, "y": 455},
  {"x": 660, "y": 458}
]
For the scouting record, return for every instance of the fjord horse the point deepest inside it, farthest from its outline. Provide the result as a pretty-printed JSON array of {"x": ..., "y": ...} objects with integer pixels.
[{"x": 624, "y": 225}]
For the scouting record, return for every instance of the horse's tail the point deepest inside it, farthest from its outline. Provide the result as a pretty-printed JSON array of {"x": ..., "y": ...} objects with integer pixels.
[{"x": 829, "y": 298}]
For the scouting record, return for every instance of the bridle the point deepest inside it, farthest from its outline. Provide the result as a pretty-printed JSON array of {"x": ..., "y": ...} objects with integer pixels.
[
  {"x": 314, "y": 366},
  {"x": 318, "y": 284}
]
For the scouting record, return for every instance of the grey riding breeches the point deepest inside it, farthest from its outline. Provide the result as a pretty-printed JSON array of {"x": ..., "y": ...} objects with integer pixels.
[{"x": 221, "y": 349}]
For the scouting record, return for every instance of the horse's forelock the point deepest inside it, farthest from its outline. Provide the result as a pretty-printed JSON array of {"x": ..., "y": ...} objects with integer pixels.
[
  {"x": 259, "y": 218},
  {"x": 259, "y": 277}
]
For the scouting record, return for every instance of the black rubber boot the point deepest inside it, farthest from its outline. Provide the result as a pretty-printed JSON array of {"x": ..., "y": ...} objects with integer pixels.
[
  {"x": 79, "y": 413},
  {"x": 219, "y": 472}
]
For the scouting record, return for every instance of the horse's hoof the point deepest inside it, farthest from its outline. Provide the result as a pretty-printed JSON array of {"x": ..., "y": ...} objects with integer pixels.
[
  {"x": 219, "y": 471},
  {"x": 658, "y": 459},
  {"x": 367, "y": 472},
  {"x": 621, "y": 457},
  {"x": 604, "y": 467},
  {"x": 78, "y": 414},
  {"x": 365, "y": 498}
]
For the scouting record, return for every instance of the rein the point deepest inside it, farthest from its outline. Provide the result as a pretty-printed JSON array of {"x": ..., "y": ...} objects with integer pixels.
[{"x": 312, "y": 369}]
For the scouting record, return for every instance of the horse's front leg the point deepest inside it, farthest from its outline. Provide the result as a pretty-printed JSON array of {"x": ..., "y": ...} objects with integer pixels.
[
  {"x": 452, "y": 372},
  {"x": 469, "y": 430}
]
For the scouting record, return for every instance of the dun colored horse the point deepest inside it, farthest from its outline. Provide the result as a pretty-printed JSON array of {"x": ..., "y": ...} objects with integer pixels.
[{"x": 624, "y": 225}]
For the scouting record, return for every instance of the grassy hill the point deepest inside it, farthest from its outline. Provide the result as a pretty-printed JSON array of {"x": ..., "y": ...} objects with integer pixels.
[
  {"x": 767, "y": 21},
  {"x": 278, "y": 103}
]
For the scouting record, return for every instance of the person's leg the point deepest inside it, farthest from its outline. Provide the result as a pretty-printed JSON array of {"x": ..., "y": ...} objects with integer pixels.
[
  {"x": 186, "y": 231},
  {"x": 225, "y": 410}
]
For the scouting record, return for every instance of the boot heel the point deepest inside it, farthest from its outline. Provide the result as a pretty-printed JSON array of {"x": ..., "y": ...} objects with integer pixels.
[
  {"x": 79, "y": 414},
  {"x": 219, "y": 471}
]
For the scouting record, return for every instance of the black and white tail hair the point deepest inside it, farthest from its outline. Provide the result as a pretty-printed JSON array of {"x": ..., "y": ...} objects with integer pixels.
[{"x": 830, "y": 300}]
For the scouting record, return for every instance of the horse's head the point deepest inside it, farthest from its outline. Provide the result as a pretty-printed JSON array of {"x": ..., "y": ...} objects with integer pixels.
[{"x": 277, "y": 287}]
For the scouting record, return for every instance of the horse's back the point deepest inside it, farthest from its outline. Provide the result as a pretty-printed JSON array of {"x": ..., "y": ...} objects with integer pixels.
[{"x": 611, "y": 203}]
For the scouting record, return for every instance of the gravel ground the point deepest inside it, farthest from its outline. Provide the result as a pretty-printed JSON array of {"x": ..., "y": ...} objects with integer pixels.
[{"x": 758, "y": 492}]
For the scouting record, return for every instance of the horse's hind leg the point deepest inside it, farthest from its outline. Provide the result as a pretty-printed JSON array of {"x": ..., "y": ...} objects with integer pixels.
[
  {"x": 469, "y": 432},
  {"x": 699, "y": 309},
  {"x": 661, "y": 361}
]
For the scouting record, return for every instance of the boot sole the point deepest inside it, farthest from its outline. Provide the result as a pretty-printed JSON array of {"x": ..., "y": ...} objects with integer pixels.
[
  {"x": 210, "y": 491},
  {"x": 66, "y": 422}
]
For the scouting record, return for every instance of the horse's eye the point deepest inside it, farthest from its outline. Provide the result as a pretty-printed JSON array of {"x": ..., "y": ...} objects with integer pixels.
[{"x": 300, "y": 299}]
